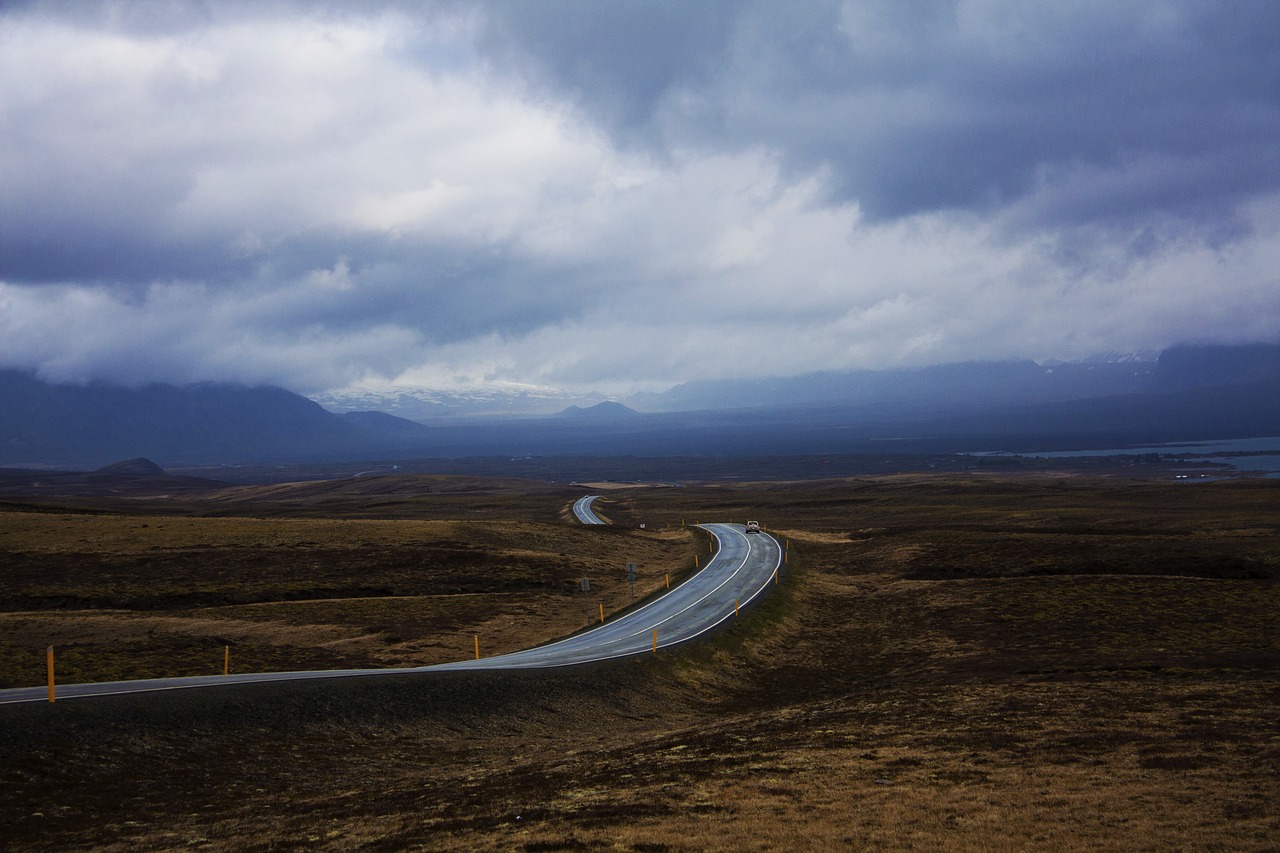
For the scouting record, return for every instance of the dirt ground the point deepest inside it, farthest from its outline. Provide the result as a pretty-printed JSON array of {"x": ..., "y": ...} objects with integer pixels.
[{"x": 974, "y": 663}]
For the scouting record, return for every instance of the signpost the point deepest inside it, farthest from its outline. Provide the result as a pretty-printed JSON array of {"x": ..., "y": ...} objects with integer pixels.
[
  {"x": 631, "y": 578},
  {"x": 585, "y": 584}
]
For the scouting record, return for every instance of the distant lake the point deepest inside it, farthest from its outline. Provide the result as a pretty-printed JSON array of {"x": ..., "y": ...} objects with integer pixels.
[{"x": 1263, "y": 453}]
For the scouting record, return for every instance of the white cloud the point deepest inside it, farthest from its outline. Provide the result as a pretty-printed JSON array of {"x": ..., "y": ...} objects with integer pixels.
[{"x": 317, "y": 200}]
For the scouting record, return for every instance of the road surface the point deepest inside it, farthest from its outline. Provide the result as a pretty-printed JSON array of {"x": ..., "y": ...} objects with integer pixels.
[
  {"x": 742, "y": 568},
  {"x": 582, "y": 509}
]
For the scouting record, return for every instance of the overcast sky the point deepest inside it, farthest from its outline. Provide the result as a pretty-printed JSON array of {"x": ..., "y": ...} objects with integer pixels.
[{"x": 617, "y": 196}]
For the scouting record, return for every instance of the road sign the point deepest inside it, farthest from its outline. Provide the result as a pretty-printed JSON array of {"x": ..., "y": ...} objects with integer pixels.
[
  {"x": 631, "y": 571},
  {"x": 586, "y": 585}
]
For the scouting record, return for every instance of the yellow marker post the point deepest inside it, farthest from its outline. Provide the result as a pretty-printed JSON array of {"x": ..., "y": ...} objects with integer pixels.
[
  {"x": 668, "y": 580},
  {"x": 655, "y": 640},
  {"x": 695, "y": 562},
  {"x": 226, "y": 660},
  {"x": 477, "y": 647},
  {"x": 49, "y": 661},
  {"x": 735, "y": 607},
  {"x": 775, "y": 576},
  {"x": 602, "y": 611}
]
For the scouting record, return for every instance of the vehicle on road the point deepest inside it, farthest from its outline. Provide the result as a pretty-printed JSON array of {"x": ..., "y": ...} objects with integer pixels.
[{"x": 753, "y": 527}]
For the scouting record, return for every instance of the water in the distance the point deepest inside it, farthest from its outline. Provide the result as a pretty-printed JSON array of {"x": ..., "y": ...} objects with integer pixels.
[{"x": 1259, "y": 454}]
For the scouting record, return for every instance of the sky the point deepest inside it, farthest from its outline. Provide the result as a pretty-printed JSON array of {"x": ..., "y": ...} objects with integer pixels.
[{"x": 622, "y": 196}]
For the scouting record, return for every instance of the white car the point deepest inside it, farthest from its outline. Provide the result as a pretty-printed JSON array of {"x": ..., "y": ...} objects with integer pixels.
[{"x": 753, "y": 527}]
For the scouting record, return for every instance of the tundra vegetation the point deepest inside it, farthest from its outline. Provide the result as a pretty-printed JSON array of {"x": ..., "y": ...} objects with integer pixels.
[{"x": 969, "y": 662}]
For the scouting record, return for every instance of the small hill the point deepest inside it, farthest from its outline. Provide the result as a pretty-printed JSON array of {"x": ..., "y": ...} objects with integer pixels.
[
  {"x": 385, "y": 424},
  {"x": 608, "y": 410},
  {"x": 139, "y": 467},
  {"x": 133, "y": 478}
]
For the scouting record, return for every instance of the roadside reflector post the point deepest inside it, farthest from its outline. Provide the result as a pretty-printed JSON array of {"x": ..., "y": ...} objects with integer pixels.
[
  {"x": 602, "y": 611},
  {"x": 226, "y": 660},
  {"x": 49, "y": 663},
  {"x": 477, "y": 636},
  {"x": 735, "y": 607},
  {"x": 668, "y": 580},
  {"x": 695, "y": 562},
  {"x": 775, "y": 576},
  {"x": 655, "y": 639}
]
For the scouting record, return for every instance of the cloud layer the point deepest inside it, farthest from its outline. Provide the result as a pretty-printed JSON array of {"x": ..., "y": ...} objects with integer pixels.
[{"x": 627, "y": 195}]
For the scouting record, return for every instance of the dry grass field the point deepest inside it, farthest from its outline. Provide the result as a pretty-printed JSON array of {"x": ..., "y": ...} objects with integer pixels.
[
  {"x": 126, "y": 596},
  {"x": 969, "y": 663}
]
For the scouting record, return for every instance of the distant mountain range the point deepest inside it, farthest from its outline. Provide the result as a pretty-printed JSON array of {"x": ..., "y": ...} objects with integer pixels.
[
  {"x": 429, "y": 404},
  {"x": 1190, "y": 393},
  {"x": 970, "y": 384}
]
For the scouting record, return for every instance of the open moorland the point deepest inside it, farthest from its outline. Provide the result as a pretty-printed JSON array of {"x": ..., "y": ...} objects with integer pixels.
[
  {"x": 972, "y": 662},
  {"x": 306, "y": 582}
]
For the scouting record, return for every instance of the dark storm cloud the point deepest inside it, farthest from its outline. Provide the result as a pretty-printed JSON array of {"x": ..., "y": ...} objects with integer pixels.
[
  {"x": 620, "y": 59},
  {"x": 932, "y": 105}
]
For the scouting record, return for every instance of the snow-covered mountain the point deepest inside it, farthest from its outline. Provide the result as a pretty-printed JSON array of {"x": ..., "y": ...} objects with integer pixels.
[{"x": 425, "y": 404}]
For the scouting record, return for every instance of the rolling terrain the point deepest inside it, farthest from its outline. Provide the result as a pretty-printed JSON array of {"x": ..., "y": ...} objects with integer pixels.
[{"x": 970, "y": 662}]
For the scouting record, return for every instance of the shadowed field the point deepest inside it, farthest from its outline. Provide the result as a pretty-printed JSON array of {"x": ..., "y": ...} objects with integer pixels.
[{"x": 977, "y": 663}]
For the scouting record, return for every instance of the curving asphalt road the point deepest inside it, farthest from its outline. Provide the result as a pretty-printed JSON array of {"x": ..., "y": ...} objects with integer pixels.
[
  {"x": 582, "y": 509},
  {"x": 742, "y": 568}
]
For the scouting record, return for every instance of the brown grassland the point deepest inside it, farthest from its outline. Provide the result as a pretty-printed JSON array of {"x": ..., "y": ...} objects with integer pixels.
[{"x": 950, "y": 662}]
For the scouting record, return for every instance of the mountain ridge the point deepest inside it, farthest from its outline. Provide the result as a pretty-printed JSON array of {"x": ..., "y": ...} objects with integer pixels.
[{"x": 1190, "y": 392}]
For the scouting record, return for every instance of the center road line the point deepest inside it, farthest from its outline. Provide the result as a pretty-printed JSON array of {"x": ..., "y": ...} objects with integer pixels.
[{"x": 582, "y": 509}]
